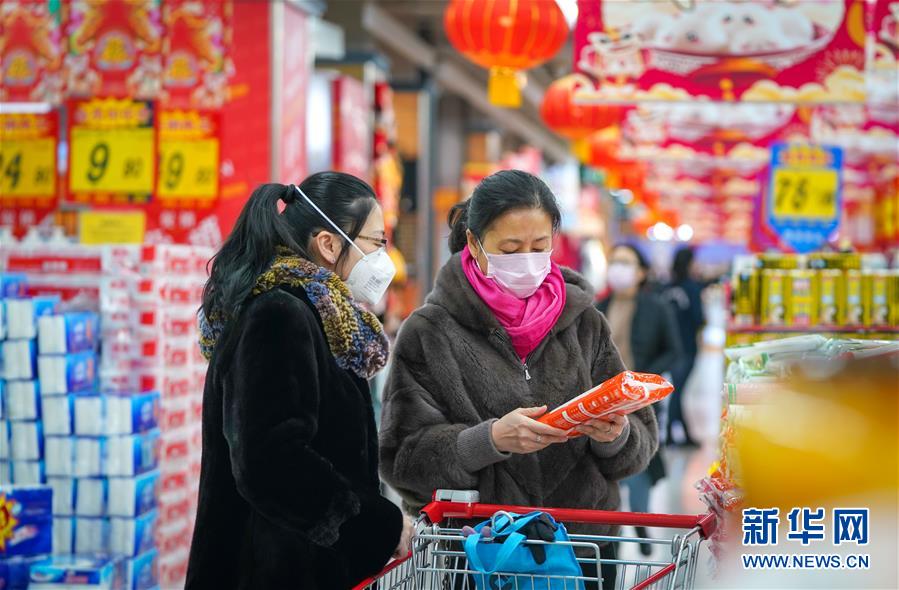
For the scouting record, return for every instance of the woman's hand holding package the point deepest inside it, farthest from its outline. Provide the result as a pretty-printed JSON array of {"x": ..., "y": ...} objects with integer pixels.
[
  {"x": 605, "y": 429},
  {"x": 405, "y": 545},
  {"x": 518, "y": 432}
]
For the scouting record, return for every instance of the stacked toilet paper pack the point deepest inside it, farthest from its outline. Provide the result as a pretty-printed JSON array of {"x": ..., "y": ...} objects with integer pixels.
[
  {"x": 21, "y": 428},
  {"x": 167, "y": 299}
]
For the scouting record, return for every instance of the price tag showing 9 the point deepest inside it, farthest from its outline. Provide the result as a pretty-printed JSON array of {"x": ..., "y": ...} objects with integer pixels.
[
  {"x": 112, "y": 161},
  {"x": 188, "y": 168}
]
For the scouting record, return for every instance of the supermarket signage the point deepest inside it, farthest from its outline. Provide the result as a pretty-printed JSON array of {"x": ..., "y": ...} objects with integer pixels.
[
  {"x": 804, "y": 194},
  {"x": 112, "y": 151},
  {"x": 188, "y": 158},
  {"x": 111, "y": 227},
  {"x": 28, "y": 159}
]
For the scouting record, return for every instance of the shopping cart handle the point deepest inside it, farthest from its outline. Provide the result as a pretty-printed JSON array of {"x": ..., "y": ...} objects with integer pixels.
[{"x": 436, "y": 512}]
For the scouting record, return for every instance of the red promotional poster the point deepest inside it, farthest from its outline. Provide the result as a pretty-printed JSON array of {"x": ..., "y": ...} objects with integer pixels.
[
  {"x": 807, "y": 51},
  {"x": 352, "y": 127},
  {"x": 31, "y": 51},
  {"x": 195, "y": 53},
  {"x": 112, "y": 151},
  {"x": 115, "y": 48},
  {"x": 28, "y": 179},
  {"x": 295, "y": 64},
  {"x": 883, "y": 57}
]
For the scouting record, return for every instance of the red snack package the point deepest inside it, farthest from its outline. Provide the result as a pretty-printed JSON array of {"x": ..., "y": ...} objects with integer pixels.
[{"x": 622, "y": 394}]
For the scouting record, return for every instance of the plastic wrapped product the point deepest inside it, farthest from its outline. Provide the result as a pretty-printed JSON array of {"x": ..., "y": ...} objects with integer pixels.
[{"x": 625, "y": 393}]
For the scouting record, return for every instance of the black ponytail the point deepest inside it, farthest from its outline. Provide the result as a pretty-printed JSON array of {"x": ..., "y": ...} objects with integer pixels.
[
  {"x": 495, "y": 195},
  {"x": 261, "y": 229}
]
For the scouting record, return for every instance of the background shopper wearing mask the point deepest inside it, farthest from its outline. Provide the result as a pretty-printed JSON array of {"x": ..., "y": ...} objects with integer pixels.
[
  {"x": 289, "y": 490},
  {"x": 646, "y": 334},
  {"x": 505, "y": 334},
  {"x": 685, "y": 296}
]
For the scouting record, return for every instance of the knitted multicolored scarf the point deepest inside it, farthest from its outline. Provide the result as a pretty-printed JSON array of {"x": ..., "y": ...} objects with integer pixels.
[{"x": 355, "y": 336}]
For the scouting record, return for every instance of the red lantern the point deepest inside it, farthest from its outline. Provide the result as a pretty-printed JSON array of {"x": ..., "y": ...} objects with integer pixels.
[
  {"x": 574, "y": 121},
  {"x": 505, "y": 36}
]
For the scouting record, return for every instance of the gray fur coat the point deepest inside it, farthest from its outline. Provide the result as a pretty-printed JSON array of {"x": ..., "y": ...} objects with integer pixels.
[{"x": 455, "y": 372}]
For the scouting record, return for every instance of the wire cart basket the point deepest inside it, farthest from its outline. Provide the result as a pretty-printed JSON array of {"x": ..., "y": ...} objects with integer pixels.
[{"x": 438, "y": 561}]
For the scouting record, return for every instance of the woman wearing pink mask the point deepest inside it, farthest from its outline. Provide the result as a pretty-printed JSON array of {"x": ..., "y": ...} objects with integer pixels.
[{"x": 505, "y": 335}]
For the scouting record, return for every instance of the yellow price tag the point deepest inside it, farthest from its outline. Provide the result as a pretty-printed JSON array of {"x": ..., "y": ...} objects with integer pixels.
[
  {"x": 112, "y": 160},
  {"x": 189, "y": 168},
  {"x": 112, "y": 227},
  {"x": 805, "y": 194},
  {"x": 28, "y": 167}
]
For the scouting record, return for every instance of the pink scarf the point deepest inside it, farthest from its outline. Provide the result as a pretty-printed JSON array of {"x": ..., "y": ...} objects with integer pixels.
[{"x": 527, "y": 321}]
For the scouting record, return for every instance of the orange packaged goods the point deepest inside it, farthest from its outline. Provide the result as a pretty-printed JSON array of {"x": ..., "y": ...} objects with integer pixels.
[{"x": 625, "y": 393}]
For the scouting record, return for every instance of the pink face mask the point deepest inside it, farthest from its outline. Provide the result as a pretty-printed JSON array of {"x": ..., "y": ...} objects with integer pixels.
[{"x": 518, "y": 274}]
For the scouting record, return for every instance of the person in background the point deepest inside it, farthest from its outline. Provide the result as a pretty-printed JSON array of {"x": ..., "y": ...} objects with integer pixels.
[
  {"x": 289, "y": 488},
  {"x": 505, "y": 335},
  {"x": 684, "y": 294},
  {"x": 644, "y": 330}
]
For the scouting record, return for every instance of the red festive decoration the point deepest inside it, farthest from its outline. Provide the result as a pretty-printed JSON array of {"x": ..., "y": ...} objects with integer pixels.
[
  {"x": 505, "y": 36},
  {"x": 574, "y": 121}
]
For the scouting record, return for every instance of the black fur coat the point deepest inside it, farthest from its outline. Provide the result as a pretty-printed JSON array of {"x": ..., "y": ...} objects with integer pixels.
[
  {"x": 289, "y": 491},
  {"x": 454, "y": 373}
]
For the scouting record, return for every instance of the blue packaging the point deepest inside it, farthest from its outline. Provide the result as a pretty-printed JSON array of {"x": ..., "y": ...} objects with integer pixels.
[
  {"x": 127, "y": 456},
  {"x": 26, "y": 441},
  {"x": 2, "y": 324},
  {"x": 142, "y": 572},
  {"x": 88, "y": 572},
  {"x": 58, "y": 413},
  {"x": 22, "y": 315},
  {"x": 31, "y": 509},
  {"x": 27, "y": 473},
  {"x": 133, "y": 496},
  {"x": 15, "y": 571},
  {"x": 133, "y": 536},
  {"x": 22, "y": 400},
  {"x": 132, "y": 414},
  {"x": 69, "y": 373},
  {"x": 12, "y": 285},
  {"x": 19, "y": 359},
  {"x": 69, "y": 332}
]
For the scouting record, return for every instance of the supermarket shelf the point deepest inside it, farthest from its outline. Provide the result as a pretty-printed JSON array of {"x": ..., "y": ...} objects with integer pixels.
[{"x": 731, "y": 329}]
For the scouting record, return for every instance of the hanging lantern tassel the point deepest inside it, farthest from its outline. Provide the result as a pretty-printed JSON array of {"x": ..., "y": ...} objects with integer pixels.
[
  {"x": 504, "y": 88},
  {"x": 581, "y": 149}
]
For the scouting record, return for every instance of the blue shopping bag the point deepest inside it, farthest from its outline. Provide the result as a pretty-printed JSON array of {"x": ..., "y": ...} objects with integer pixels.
[{"x": 508, "y": 562}]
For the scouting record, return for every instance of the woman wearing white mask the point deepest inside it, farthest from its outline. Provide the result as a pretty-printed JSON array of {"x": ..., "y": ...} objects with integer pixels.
[
  {"x": 505, "y": 335},
  {"x": 289, "y": 489},
  {"x": 646, "y": 334}
]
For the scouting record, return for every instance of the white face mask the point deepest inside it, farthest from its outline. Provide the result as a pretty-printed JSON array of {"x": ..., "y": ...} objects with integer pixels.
[
  {"x": 622, "y": 276},
  {"x": 518, "y": 274},
  {"x": 369, "y": 279}
]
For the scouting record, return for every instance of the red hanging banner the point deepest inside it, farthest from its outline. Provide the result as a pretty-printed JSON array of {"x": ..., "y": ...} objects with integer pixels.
[
  {"x": 31, "y": 51},
  {"x": 195, "y": 51},
  {"x": 115, "y": 48}
]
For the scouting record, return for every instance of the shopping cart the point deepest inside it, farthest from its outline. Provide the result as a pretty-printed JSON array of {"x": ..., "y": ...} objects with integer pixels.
[{"x": 438, "y": 562}]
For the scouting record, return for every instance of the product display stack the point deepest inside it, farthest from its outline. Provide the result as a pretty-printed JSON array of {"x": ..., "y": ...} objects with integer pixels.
[{"x": 167, "y": 299}]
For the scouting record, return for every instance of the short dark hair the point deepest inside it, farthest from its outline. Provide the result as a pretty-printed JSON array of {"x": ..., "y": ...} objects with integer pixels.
[
  {"x": 680, "y": 268},
  {"x": 495, "y": 195}
]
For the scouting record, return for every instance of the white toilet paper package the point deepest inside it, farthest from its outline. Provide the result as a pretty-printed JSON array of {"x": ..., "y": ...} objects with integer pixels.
[
  {"x": 110, "y": 456},
  {"x": 5, "y": 473},
  {"x": 4, "y": 440},
  {"x": 115, "y": 414},
  {"x": 22, "y": 400},
  {"x": 26, "y": 441},
  {"x": 64, "y": 496},
  {"x": 92, "y": 573},
  {"x": 69, "y": 373},
  {"x": 22, "y": 315},
  {"x": 27, "y": 473},
  {"x": 133, "y": 496},
  {"x": 91, "y": 535},
  {"x": 91, "y": 496},
  {"x": 63, "y": 535},
  {"x": 19, "y": 359},
  {"x": 68, "y": 333},
  {"x": 142, "y": 572},
  {"x": 133, "y": 536},
  {"x": 58, "y": 413}
]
